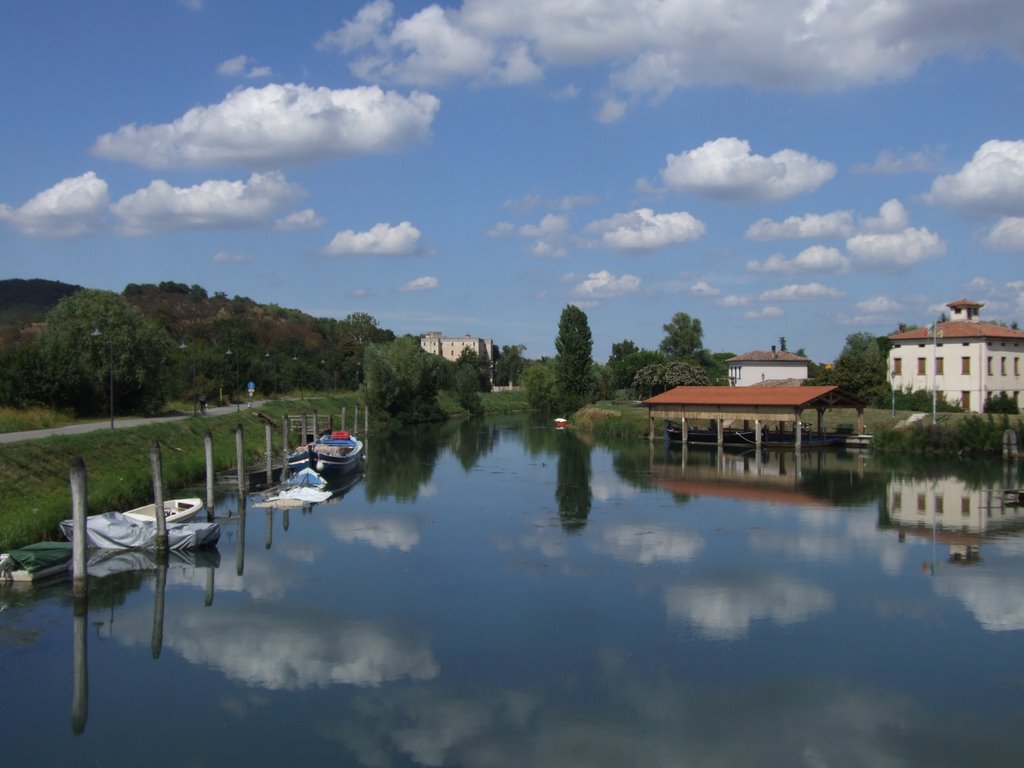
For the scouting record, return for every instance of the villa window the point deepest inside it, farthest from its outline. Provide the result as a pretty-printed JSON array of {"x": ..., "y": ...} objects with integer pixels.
[
  {"x": 940, "y": 366},
  {"x": 965, "y": 506},
  {"x": 965, "y": 366},
  {"x": 921, "y": 503},
  {"x": 920, "y": 366},
  {"x": 897, "y": 366},
  {"x": 988, "y": 365},
  {"x": 1002, "y": 366}
]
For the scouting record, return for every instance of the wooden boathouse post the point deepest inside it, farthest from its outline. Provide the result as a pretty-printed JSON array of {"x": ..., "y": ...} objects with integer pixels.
[
  {"x": 316, "y": 424},
  {"x": 366, "y": 420},
  {"x": 355, "y": 418},
  {"x": 157, "y": 467},
  {"x": 210, "y": 474},
  {"x": 79, "y": 510},
  {"x": 284, "y": 448}
]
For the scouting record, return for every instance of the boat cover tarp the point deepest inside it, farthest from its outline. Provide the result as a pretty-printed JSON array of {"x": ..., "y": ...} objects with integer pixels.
[
  {"x": 108, "y": 562},
  {"x": 306, "y": 477},
  {"x": 112, "y": 530},
  {"x": 37, "y": 557}
]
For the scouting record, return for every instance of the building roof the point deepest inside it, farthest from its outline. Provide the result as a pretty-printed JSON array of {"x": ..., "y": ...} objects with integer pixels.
[
  {"x": 759, "y": 356},
  {"x": 960, "y": 329},
  {"x": 756, "y": 396}
]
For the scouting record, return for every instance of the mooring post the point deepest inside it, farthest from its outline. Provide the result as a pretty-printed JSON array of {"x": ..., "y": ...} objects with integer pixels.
[
  {"x": 316, "y": 424},
  {"x": 284, "y": 447},
  {"x": 366, "y": 420},
  {"x": 344, "y": 415},
  {"x": 240, "y": 553},
  {"x": 355, "y": 419},
  {"x": 268, "y": 536},
  {"x": 157, "y": 466},
  {"x": 210, "y": 475},
  {"x": 270, "y": 452},
  {"x": 240, "y": 459},
  {"x": 157, "y": 641},
  {"x": 80, "y": 684},
  {"x": 79, "y": 510},
  {"x": 305, "y": 429}
]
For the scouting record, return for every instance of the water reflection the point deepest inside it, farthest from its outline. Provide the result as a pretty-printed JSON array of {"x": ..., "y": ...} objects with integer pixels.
[{"x": 573, "y": 491}]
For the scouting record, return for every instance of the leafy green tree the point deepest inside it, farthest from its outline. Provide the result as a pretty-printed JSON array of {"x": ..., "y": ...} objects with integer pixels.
[
  {"x": 92, "y": 333},
  {"x": 683, "y": 337},
  {"x": 509, "y": 367},
  {"x": 574, "y": 346},
  {"x": 23, "y": 376},
  {"x": 680, "y": 374},
  {"x": 467, "y": 388},
  {"x": 860, "y": 368},
  {"x": 402, "y": 381},
  {"x": 539, "y": 384},
  {"x": 624, "y": 371},
  {"x": 480, "y": 368}
]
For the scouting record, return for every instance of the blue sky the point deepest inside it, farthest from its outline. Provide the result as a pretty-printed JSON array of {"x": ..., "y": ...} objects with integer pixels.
[{"x": 791, "y": 169}]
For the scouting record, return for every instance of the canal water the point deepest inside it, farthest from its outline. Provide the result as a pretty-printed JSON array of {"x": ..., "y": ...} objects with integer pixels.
[{"x": 500, "y": 593}]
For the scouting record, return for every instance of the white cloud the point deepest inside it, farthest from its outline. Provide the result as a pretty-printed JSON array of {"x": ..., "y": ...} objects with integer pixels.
[
  {"x": 241, "y": 66},
  {"x": 550, "y": 234},
  {"x": 991, "y": 183},
  {"x": 604, "y": 285},
  {"x": 277, "y": 124},
  {"x": 811, "y": 225},
  {"x": 305, "y": 219},
  {"x": 212, "y": 204},
  {"x": 425, "y": 283},
  {"x": 1007, "y": 234},
  {"x": 502, "y": 229},
  {"x": 889, "y": 163},
  {"x": 817, "y": 258},
  {"x": 879, "y": 305},
  {"x": 643, "y": 229},
  {"x": 380, "y": 240},
  {"x": 648, "y": 544},
  {"x": 70, "y": 208},
  {"x": 892, "y": 217},
  {"x": 732, "y": 300},
  {"x": 763, "y": 313},
  {"x": 231, "y": 257},
  {"x": 801, "y": 292},
  {"x": 896, "y": 250},
  {"x": 702, "y": 288},
  {"x": 652, "y": 49},
  {"x": 725, "y": 169}
]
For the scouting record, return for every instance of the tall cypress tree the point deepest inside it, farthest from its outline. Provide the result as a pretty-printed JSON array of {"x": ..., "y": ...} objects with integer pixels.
[{"x": 572, "y": 364}]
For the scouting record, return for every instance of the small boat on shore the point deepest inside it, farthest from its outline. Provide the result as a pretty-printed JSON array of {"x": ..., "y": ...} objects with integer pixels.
[
  {"x": 561, "y": 422},
  {"x": 175, "y": 511},
  {"x": 36, "y": 562}
]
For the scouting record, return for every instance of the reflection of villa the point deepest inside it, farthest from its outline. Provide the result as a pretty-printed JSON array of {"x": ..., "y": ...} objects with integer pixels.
[{"x": 948, "y": 511}]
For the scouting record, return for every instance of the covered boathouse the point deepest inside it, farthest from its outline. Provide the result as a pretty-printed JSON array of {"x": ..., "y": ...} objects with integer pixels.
[{"x": 755, "y": 409}]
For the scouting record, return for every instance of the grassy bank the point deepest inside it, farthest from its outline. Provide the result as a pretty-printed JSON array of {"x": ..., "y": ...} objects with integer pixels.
[{"x": 34, "y": 474}]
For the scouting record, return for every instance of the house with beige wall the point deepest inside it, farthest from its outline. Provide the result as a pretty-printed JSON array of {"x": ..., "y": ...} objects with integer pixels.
[
  {"x": 450, "y": 347},
  {"x": 965, "y": 359},
  {"x": 758, "y": 367}
]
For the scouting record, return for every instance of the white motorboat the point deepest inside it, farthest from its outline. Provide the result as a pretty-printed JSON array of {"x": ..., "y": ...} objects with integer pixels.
[{"x": 175, "y": 511}]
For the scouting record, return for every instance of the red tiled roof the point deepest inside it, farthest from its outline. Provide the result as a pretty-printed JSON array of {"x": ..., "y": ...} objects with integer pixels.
[
  {"x": 740, "y": 396},
  {"x": 759, "y": 356},
  {"x": 960, "y": 329}
]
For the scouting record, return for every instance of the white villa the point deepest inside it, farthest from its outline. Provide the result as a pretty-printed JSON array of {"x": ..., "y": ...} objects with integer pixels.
[
  {"x": 450, "y": 347},
  {"x": 759, "y": 367},
  {"x": 964, "y": 359}
]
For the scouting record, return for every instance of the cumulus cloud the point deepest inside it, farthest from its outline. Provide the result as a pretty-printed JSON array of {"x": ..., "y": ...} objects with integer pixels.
[
  {"x": 652, "y": 49},
  {"x": 70, "y": 208},
  {"x": 380, "y": 240},
  {"x": 702, "y": 288},
  {"x": 305, "y": 219},
  {"x": 643, "y": 229},
  {"x": 892, "y": 217},
  {"x": 879, "y": 305},
  {"x": 604, "y": 285},
  {"x": 231, "y": 257},
  {"x": 275, "y": 125},
  {"x": 836, "y": 224},
  {"x": 1007, "y": 234},
  {"x": 725, "y": 169},
  {"x": 764, "y": 312},
  {"x": 991, "y": 183},
  {"x": 550, "y": 235},
  {"x": 817, "y": 258},
  {"x": 732, "y": 300},
  {"x": 890, "y": 163},
  {"x": 425, "y": 283},
  {"x": 801, "y": 292},
  {"x": 241, "y": 66},
  {"x": 896, "y": 250},
  {"x": 212, "y": 204}
]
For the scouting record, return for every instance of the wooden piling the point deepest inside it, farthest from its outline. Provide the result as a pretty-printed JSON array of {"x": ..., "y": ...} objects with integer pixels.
[
  {"x": 355, "y": 419},
  {"x": 157, "y": 641},
  {"x": 316, "y": 424},
  {"x": 79, "y": 510},
  {"x": 80, "y": 683},
  {"x": 343, "y": 415},
  {"x": 210, "y": 475},
  {"x": 269, "y": 452},
  {"x": 157, "y": 467},
  {"x": 366, "y": 420},
  {"x": 284, "y": 448}
]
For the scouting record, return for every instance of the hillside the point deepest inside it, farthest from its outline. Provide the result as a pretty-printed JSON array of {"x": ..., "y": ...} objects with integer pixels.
[{"x": 23, "y": 303}]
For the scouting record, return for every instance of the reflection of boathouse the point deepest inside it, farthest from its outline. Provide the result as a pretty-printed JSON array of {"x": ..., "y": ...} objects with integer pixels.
[
  {"x": 756, "y": 414},
  {"x": 948, "y": 511}
]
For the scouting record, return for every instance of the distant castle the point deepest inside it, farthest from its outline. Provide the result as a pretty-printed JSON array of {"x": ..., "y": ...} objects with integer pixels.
[{"x": 450, "y": 347}]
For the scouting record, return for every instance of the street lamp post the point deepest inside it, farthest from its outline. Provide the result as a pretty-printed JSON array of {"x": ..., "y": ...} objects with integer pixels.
[
  {"x": 295, "y": 360},
  {"x": 238, "y": 400},
  {"x": 183, "y": 346},
  {"x": 110, "y": 359},
  {"x": 892, "y": 386}
]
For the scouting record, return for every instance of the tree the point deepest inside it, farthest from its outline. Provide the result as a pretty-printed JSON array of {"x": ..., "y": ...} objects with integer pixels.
[
  {"x": 468, "y": 358},
  {"x": 539, "y": 384},
  {"x": 684, "y": 337},
  {"x": 624, "y": 372},
  {"x": 508, "y": 370},
  {"x": 137, "y": 352},
  {"x": 402, "y": 381},
  {"x": 572, "y": 363},
  {"x": 860, "y": 368}
]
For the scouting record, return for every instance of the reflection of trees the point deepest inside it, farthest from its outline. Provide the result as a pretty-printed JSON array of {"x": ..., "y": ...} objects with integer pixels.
[
  {"x": 401, "y": 461},
  {"x": 472, "y": 439},
  {"x": 573, "y": 489},
  {"x": 539, "y": 435}
]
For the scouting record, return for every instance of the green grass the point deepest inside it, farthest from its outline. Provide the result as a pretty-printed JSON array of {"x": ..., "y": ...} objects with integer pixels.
[{"x": 34, "y": 474}]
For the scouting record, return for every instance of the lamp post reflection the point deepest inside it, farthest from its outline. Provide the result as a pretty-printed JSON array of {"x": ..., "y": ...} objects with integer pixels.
[
  {"x": 238, "y": 399},
  {"x": 110, "y": 360}
]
